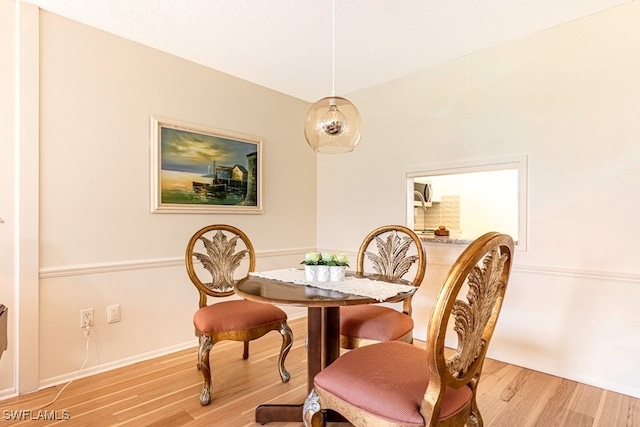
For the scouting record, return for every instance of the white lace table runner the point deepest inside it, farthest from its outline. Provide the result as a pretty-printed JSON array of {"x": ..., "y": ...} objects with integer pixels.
[{"x": 374, "y": 289}]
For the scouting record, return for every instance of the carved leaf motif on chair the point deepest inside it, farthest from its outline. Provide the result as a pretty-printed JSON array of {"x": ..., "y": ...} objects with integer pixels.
[
  {"x": 485, "y": 285},
  {"x": 220, "y": 260},
  {"x": 391, "y": 259}
]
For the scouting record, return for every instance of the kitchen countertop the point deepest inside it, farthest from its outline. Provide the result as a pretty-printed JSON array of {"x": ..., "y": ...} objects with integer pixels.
[{"x": 430, "y": 237}]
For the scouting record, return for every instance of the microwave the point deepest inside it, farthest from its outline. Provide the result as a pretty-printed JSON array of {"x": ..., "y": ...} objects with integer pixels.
[{"x": 422, "y": 192}]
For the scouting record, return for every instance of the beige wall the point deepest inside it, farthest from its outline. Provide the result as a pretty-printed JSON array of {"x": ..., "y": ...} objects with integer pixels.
[
  {"x": 99, "y": 244},
  {"x": 569, "y": 98}
]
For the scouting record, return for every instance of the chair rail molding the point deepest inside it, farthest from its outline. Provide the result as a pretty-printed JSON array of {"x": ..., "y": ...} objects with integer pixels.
[{"x": 141, "y": 264}]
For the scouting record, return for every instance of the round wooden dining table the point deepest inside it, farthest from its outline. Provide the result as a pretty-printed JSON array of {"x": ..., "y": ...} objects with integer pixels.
[{"x": 323, "y": 326}]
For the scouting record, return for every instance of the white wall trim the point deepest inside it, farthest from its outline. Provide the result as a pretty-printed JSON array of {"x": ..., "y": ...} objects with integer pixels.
[
  {"x": 8, "y": 393},
  {"x": 615, "y": 276},
  {"x": 133, "y": 265},
  {"x": 104, "y": 367},
  {"x": 559, "y": 271},
  {"x": 27, "y": 202},
  {"x": 574, "y": 272}
]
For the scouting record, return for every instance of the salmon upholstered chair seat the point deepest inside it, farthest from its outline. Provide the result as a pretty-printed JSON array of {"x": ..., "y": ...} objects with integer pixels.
[
  {"x": 223, "y": 317},
  {"x": 396, "y": 384},
  {"x": 374, "y": 322},
  {"x": 221, "y": 250},
  {"x": 392, "y": 251},
  {"x": 394, "y": 393}
]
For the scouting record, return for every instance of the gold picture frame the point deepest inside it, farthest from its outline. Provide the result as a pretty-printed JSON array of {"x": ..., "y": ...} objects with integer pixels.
[{"x": 201, "y": 169}]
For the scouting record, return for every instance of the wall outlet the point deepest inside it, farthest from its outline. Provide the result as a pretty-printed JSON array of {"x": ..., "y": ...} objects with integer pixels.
[
  {"x": 113, "y": 313},
  {"x": 86, "y": 315}
]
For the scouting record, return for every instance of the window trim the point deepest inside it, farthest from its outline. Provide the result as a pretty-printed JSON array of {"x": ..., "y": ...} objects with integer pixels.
[{"x": 519, "y": 162}]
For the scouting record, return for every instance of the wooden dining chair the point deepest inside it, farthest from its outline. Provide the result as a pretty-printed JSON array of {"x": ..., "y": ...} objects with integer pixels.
[
  {"x": 399, "y": 384},
  {"x": 391, "y": 251},
  {"x": 236, "y": 320}
]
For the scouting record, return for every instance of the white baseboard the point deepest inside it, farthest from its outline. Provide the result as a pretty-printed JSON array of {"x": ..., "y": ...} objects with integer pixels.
[
  {"x": 48, "y": 382},
  {"x": 562, "y": 372},
  {"x": 8, "y": 393}
]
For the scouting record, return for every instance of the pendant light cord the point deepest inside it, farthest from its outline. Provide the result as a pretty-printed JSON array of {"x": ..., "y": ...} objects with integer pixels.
[{"x": 333, "y": 51}]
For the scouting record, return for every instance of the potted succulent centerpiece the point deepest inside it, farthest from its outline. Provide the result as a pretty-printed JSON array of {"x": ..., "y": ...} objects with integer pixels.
[
  {"x": 311, "y": 260},
  {"x": 324, "y": 266},
  {"x": 338, "y": 267}
]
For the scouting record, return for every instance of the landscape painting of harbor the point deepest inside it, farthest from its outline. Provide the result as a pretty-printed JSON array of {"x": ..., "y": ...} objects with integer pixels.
[{"x": 199, "y": 169}]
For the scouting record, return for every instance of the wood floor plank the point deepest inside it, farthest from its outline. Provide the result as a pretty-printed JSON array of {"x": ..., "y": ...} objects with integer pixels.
[
  {"x": 527, "y": 396},
  {"x": 576, "y": 419},
  {"x": 586, "y": 400},
  {"x": 496, "y": 384},
  {"x": 247, "y": 401},
  {"x": 492, "y": 366},
  {"x": 615, "y": 410},
  {"x": 633, "y": 413},
  {"x": 180, "y": 418},
  {"x": 515, "y": 385},
  {"x": 153, "y": 409},
  {"x": 554, "y": 411},
  {"x": 99, "y": 414},
  {"x": 490, "y": 408}
]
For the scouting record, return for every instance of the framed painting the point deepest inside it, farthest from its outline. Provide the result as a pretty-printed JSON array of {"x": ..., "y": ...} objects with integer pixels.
[{"x": 198, "y": 169}]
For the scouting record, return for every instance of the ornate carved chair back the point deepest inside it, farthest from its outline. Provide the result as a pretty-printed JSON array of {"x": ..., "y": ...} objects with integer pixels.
[
  {"x": 394, "y": 251},
  {"x": 469, "y": 302},
  {"x": 220, "y": 249}
]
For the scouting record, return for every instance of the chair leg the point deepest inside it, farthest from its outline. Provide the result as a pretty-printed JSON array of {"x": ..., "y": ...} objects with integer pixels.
[
  {"x": 475, "y": 418},
  {"x": 312, "y": 415},
  {"x": 287, "y": 341},
  {"x": 245, "y": 352},
  {"x": 203, "y": 366}
]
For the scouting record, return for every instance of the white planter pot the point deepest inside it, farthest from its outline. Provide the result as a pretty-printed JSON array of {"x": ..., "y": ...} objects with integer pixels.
[
  {"x": 336, "y": 273},
  {"x": 323, "y": 273},
  {"x": 311, "y": 273}
]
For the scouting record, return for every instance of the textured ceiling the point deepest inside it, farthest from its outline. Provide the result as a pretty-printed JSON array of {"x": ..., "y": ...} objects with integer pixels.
[{"x": 286, "y": 45}]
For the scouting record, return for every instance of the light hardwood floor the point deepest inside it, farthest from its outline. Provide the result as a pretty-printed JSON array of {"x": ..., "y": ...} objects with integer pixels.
[{"x": 164, "y": 392}]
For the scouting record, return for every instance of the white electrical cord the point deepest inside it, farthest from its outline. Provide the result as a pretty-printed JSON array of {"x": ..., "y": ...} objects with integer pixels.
[{"x": 87, "y": 334}]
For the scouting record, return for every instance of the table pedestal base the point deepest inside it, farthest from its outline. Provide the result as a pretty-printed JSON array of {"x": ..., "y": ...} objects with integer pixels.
[
  {"x": 323, "y": 347},
  {"x": 290, "y": 414},
  {"x": 283, "y": 413}
]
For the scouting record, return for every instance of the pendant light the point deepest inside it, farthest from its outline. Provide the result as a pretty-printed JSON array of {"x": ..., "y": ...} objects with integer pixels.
[{"x": 333, "y": 124}]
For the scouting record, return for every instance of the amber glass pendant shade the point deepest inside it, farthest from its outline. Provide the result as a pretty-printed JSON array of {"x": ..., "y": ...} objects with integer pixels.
[{"x": 333, "y": 125}]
